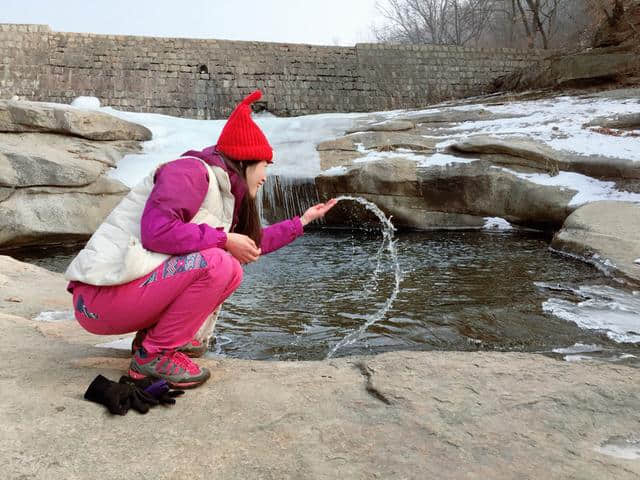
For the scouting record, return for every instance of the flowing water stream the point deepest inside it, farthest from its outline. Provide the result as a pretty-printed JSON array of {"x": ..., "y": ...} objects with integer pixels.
[
  {"x": 335, "y": 292},
  {"x": 389, "y": 244}
]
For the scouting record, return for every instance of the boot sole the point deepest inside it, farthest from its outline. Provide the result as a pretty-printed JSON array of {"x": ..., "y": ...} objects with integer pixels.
[{"x": 180, "y": 385}]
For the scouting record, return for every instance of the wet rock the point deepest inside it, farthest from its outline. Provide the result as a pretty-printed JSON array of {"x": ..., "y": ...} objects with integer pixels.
[
  {"x": 605, "y": 233},
  {"x": 22, "y": 116},
  {"x": 538, "y": 156}
]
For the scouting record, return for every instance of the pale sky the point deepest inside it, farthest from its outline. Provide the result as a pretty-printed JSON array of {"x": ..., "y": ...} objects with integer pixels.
[{"x": 324, "y": 22}]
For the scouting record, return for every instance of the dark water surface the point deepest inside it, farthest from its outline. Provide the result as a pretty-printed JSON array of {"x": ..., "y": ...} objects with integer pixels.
[{"x": 471, "y": 290}]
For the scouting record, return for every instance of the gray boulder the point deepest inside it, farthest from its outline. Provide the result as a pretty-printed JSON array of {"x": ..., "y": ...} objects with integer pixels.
[
  {"x": 22, "y": 116},
  {"x": 604, "y": 233},
  {"x": 454, "y": 116},
  {"x": 37, "y": 216},
  {"x": 453, "y": 196},
  {"x": 53, "y": 187},
  {"x": 345, "y": 150},
  {"x": 379, "y": 141},
  {"x": 629, "y": 121},
  {"x": 383, "y": 126},
  {"x": 597, "y": 65},
  {"x": 29, "y": 159},
  {"x": 538, "y": 156}
]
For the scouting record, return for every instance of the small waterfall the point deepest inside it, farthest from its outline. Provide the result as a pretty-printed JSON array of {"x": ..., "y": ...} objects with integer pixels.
[
  {"x": 389, "y": 244},
  {"x": 285, "y": 197}
]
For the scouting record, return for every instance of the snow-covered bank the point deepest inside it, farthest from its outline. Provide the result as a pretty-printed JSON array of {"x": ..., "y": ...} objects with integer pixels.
[{"x": 558, "y": 122}]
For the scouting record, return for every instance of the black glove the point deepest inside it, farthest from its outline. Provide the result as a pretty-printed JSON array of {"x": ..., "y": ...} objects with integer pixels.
[
  {"x": 117, "y": 397},
  {"x": 157, "y": 388}
]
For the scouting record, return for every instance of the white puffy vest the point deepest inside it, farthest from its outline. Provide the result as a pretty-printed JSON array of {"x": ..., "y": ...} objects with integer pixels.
[{"x": 114, "y": 254}]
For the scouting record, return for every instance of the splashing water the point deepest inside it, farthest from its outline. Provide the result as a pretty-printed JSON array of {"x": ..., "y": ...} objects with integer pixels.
[{"x": 390, "y": 244}]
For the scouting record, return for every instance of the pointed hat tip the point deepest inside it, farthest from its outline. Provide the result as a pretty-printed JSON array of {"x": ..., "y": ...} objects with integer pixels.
[{"x": 254, "y": 96}]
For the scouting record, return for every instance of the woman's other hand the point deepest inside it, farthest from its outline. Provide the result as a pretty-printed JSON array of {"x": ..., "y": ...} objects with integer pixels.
[
  {"x": 317, "y": 211},
  {"x": 242, "y": 248}
]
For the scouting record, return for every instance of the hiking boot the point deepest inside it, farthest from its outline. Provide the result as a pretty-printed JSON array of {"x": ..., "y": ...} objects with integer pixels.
[
  {"x": 194, "y": 348},
  {"x": 176, "y": 368}
]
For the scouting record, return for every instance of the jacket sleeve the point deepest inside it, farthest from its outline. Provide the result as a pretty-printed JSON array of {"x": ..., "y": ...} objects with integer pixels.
[
  {"x": 178, "y": 192},
  {"x": 280, "y": 234}
]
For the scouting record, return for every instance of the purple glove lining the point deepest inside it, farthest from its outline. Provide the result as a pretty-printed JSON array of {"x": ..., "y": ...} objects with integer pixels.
[{"x": 158, "y": 388}]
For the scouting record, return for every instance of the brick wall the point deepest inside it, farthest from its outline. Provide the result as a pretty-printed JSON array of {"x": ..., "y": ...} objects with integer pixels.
[{"x": 206, "y": 78}]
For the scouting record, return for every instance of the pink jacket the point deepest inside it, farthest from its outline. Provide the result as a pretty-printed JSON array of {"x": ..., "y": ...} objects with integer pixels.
[{"x": 179, "y": 189}]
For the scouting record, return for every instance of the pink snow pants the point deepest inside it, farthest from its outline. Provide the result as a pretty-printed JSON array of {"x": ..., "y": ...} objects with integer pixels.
[{"x": 172, "y": 302}]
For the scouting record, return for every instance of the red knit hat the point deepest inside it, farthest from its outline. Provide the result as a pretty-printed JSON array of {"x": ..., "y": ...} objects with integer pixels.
[{"x": 241, "y": 138}]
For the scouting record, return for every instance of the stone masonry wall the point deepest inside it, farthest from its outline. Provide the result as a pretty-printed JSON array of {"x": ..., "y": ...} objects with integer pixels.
[{"x": 206, "y": 78}]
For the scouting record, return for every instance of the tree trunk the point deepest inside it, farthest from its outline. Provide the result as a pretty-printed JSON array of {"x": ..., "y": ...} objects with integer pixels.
[
  {"x": 530, "y": 34},
  {"x": 534, "y": 5}
]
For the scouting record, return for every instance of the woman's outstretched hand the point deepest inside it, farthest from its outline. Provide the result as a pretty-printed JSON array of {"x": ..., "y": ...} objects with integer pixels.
[
  {"x": 317, "y": 211},
  {"x": 242, "y": 248}
]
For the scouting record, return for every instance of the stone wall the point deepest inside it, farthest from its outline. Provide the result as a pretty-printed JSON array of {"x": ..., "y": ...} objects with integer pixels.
[{"x": 206, "y": 78}]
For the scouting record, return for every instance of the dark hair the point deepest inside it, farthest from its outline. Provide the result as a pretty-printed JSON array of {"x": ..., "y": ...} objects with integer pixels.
[{"x": 248, "y": 217}]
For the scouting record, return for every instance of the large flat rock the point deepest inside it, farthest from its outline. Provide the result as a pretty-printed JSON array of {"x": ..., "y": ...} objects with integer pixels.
[
  {"x": 399, "y": 415},
  {"x": 23, "y": 116},
  {"x": 606, "y": 233},
  {"x": 26, "y": 290}
]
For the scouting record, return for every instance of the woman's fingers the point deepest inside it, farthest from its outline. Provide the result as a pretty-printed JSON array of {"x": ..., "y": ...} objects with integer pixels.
[
  {"x": 323, "y": 208},
  {"x": 243, "y": 248},
  {"x": 317, "y": 211}
]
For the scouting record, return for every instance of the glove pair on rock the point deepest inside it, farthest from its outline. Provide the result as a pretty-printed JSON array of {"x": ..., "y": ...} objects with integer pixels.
[{"x": 140, "y": 395}]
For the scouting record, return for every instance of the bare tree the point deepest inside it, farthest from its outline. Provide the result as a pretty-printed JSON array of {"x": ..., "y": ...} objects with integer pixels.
[
  {"x": 455, "y": 22},
  {"x": 495, "y": 23}
]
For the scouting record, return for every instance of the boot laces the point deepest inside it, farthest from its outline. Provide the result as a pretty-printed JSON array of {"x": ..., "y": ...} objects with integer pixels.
[{"x": 183, "y": 361}]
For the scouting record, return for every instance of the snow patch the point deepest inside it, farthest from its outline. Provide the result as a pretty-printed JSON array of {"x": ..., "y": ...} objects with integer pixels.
[
  {"x": 119, "y": 344},
  {"x": 496, "y": 223},
  {"x": 334, "y": 171},
  {"x": 604, "y": 308},
  {"x": 55, "y": 316},
  {"x": 441, "y": 160},
  {"x": 88, "y": 103},
  {"x": 619, "y": 447},
  {"x": 578, "y": 348},
  {"x": 588, "y": 189}
]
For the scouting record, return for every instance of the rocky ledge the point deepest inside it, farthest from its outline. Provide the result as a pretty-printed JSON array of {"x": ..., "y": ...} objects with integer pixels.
[
  {"x": 53, "y": 161},
  {"x": 399, "y": 415},
  {"x": 532, "y": 163}
]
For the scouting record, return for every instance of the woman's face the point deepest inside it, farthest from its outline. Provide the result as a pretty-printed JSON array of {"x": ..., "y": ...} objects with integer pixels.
[{"x": 256, "y": 175}]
